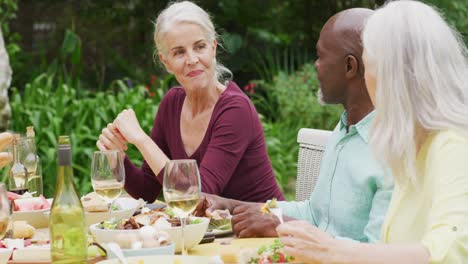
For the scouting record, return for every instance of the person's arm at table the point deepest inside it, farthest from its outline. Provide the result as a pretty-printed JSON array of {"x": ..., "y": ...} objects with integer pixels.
[
  {"x": 141, "y": 182},
  {"x": 247, "y": 220},
  {"x": 309, "y": 244}
]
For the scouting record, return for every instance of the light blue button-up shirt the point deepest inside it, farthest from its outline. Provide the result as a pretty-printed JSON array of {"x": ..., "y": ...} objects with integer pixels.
[{"x": 352, "y": 193}]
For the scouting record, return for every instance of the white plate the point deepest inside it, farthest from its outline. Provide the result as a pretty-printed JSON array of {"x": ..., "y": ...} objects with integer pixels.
[
  {"x": 193, "y": 234},
  {"x": 221, "y": 233},
  {"x": 128, "y": 206},
  {"x": 5, "y": 255},
  {"x": 36, "y": 218},
  {"x": 162, "y": 250},
  {"x": 163, "y": 259}
]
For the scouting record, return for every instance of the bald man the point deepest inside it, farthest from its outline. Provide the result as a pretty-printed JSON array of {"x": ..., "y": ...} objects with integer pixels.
[{"x": 351, "y": 196}]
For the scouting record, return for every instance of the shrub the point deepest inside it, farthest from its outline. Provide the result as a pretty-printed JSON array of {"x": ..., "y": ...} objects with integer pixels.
[{"x": 54, "y": 108}]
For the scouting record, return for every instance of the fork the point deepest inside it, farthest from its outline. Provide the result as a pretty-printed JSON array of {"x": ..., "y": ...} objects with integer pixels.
[{"x": 278, "y": 212}]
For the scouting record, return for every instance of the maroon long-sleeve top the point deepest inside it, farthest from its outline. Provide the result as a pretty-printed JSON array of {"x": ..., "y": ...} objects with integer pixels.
[{"x": 232, "y": 156}]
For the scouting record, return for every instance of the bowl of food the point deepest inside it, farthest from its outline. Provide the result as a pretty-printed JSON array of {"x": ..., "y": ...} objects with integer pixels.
[
  {"x": 195, "y": 228},
  {"x": 273, "y": 253},
  {"x": 31, "y": 210},
  {"x": 123, "y": 208},
  {"x": 193, "y": 233},
  {"x": 220, "y": 223},
  {"x": 96, "y": 208},
  {"x": 146, "y": 241}
]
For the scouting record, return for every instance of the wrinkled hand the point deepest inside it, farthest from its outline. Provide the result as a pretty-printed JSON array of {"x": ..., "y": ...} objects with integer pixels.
[
  {"x": 210, "y": 202},
  {"x": 111, "y": 139},
  {"x": 5, "y": 140},
  {"x": 127, "y": 124},
  {"x": 5, "y": 159},
  {"x": 305, "y": 242},
  {"x": 248, "y": 221}
]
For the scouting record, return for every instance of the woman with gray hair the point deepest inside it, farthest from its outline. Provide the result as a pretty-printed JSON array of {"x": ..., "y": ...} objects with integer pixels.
[
  {"x": 417, "y": 77},
  {"x": 208, "y": 118}
]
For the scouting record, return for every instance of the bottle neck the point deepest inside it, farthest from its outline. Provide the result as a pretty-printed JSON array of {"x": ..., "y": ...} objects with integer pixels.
[
  {"x": 65, "y": 172},
  {"x": 16, "y": 157},
  {"x": 64, "y": 177},
  {"x": 32, "y": 143}
]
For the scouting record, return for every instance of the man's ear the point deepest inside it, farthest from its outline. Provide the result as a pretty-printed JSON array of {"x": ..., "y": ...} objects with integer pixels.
[{"x": 352, "y": 66}]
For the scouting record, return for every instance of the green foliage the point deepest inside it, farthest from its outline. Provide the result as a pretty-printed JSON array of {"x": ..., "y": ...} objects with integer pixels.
[
  {"x": 55, "y": 108},
  {"x": 295, "y": 105},
  {"x": 8, "y": 10},
  {"x": 455, "y": 12},
  {"x": 56, "y": 103}
]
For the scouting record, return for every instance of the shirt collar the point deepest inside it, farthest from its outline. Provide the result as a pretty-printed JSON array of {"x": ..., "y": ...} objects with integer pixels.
[{"x": 362, "y": 127}]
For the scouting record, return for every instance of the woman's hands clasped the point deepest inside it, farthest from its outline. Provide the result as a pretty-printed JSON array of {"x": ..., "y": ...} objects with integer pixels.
[{"x": 125, "y": 129}]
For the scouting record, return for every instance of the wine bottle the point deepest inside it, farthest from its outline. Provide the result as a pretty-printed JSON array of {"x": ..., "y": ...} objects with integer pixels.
[
  {"x": 17, "y": 174},
  {"x": 32, "y": 163},
  {"x": 67, "y": 219}
]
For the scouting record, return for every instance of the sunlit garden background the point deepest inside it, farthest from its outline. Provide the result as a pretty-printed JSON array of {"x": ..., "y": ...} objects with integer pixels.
[{"x": 78, "y": 63}]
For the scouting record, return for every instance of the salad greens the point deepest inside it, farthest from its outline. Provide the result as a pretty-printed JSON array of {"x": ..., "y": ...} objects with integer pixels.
[
  {"x": 193, "y": 221},
  {"x": 169, "y": 212},
  {"x": 271, "y": 254},
  {"x": 115, "y": 207},
  {"x": 111, "y": 224}
]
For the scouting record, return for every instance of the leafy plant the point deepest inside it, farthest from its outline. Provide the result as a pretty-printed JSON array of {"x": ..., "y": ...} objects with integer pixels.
[
  {"x": 80, "y": 115},
  {"x": 8, "y": 9}
]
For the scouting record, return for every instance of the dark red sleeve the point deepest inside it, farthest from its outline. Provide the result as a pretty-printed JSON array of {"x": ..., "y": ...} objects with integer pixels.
[
  {"x": 231, "y": 137},
  {"x": 142, "y": 182}
]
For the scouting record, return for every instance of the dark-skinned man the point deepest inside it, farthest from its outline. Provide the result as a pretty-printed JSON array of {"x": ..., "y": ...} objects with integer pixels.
[{"x": 352, "y": 193}]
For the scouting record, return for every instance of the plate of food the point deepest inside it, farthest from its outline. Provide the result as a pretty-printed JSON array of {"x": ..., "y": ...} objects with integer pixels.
[
  {"x": 220, "y": 223},
  {"x": 30, "y": 209},
  {"x": 33, "y": 246},
  {"x": 161, "y": 219},
  {"x": 146, "y": 242},
  {"x": 164, "y": 259},
  {"x": 265, "y": 254},
  {"x": 96, "y": 208}
]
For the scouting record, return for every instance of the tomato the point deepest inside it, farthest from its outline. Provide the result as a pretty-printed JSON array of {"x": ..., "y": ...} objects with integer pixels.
[{"x": 281, "y": 257}]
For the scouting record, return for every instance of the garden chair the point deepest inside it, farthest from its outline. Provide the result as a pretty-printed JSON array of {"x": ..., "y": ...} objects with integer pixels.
[{"x": 311, "y": 147}]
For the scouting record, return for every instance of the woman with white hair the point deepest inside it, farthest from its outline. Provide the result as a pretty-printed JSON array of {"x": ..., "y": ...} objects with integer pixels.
[
  {"x": 417, "y": 77},
  {"x": 208, "y": 118}
]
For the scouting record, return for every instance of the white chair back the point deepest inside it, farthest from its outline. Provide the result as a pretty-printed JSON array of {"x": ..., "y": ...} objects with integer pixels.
[{"x": 311, "y": 147}]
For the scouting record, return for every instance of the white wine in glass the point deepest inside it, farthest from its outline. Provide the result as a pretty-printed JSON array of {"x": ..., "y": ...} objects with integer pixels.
[
  {"x": 181, "y": 188},
  {"x": 108, "y": 175},
  {"x": 182, "y": 204},
  {"x": 4, "y": 211},
  {"x": 108, "y": 189}
]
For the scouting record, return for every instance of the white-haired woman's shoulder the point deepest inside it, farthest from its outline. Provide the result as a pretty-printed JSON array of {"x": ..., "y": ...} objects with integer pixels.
[{"x": 446, "y": 139}]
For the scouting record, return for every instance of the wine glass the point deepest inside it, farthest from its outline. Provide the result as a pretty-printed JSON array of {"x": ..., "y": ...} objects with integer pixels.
[
  {"x": 4, "y": 211},
  {"x": 108, "y": 175},
  {"x": 181, "y": 188}
]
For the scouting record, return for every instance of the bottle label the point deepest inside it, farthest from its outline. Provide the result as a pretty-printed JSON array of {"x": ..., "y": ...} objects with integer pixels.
[{"x": 64, "y": 155}]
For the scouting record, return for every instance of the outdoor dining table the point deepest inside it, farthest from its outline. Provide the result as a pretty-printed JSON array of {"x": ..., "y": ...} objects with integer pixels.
[{"x": 227, "y": 248}]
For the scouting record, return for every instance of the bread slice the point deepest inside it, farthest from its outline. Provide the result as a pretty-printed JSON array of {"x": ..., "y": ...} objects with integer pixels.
[{"x": 92, "y": 202}]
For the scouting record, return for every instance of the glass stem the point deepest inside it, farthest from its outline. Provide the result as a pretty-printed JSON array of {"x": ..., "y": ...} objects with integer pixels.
[
  {"x": 182, "y": 225},
  {"x": 110, "y": 208}
]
